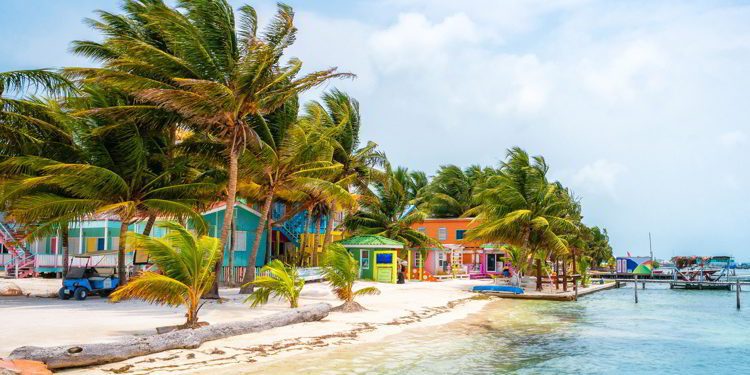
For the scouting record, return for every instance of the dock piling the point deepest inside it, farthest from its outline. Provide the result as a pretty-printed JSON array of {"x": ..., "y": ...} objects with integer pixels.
[
  {"x": 635, "y": 288},
  {"x": 737, "y": 287}
]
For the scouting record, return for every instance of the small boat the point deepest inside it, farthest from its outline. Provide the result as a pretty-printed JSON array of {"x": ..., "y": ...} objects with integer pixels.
[{"x": 497, "y": 289}]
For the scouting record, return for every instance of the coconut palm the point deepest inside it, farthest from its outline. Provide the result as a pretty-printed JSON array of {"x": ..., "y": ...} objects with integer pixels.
[
  {"x": 195, "y": 60},
  {"x": 521, "y": 208},
  {"x": 341, "y": 270},
  {"x": 121, "y": 173},
  {"x": 293, "y": 165},
  {"x": 388, "y": 212},
  {"x": 185, "y": 263},
  {"x": 33, "y": 126},
  {"x": 341, "y": 112},
  {"x": 283, "y": 282},
  {"x": 451, "y": 191},
  {"x": 599, "y": 249}
]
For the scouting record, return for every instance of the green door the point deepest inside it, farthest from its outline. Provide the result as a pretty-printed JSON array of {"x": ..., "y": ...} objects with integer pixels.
[{"x": 384, "y": 275}]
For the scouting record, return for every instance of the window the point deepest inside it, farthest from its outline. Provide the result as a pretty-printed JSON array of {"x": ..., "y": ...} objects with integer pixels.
[
  {"x": 74, "y": 246},
  {"x": 492, "y": 262},
  {"x": 99, "y": 244},
  {"x": 442, "y": 234},
  {"x": 53, "y": 245},
  {"x": 418, "y": 259},
  {"x": 384, "y": 258},
  {"x": 422, "y": 230},
  {"x": 460, "y": 234},
  {"x": 240, "y": 240},
  {"x": 364, "y": 256}
]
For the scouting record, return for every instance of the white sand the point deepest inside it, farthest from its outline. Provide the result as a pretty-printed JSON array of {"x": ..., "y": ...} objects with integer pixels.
[{"x": 46, "y": 321}]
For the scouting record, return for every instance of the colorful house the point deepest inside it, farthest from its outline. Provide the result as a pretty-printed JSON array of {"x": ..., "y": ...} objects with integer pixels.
[
  {"x": 628, "y": 264},
  {"x": 458, "y": 254},
  {"x": 44, "y": 255},
  {"x": 246, "y": 221},
  {"x": 377, "y": 255}
]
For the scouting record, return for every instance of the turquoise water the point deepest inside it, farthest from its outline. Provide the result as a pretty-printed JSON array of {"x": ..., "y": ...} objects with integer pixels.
[{"x": 668, "y": 332}]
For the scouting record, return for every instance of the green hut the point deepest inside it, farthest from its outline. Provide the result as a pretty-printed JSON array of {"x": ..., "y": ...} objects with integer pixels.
[{"x": 377, "y": 255}]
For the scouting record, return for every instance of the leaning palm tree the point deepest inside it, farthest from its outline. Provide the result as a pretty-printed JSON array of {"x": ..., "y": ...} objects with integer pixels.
[
  {"x": 451, "y": 191},
  {"x": 341, "y": 270},
  {"x": 40, "y": 127},
  {"x": 521, "y": 208},
  {"x": 185, "y": 264},
  {"x": 283, "y": 281},
  {"x": 339, "y": 111},
  {"x": 195, "y": 60},
  {"x": 292, "y": 165},
  {"x": 388, "y": 212}
]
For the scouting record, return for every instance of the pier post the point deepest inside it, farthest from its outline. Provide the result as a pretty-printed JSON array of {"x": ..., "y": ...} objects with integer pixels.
[
  {"x": 738, "y": 293},
  {"x": 635, "y": 288},
  {"x": 643, "y": 284}
]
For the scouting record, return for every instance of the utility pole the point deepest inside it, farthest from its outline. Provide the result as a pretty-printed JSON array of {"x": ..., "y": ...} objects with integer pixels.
[{"x": 649, "y": 247}]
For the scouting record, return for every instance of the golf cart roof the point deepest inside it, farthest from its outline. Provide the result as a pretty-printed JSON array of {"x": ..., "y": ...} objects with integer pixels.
[{"x": 95, "y": 253}]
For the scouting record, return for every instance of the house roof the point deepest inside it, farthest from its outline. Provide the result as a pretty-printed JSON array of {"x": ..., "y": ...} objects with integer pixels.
[
  {"x": 219, "y": 206},
  {"x": 371, "y": 242}
]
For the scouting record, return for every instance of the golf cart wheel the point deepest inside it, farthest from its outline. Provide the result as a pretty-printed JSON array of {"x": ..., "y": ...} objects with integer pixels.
[
  {"x": 81, "y": 293},
  {"x": 61, "y": 293}
]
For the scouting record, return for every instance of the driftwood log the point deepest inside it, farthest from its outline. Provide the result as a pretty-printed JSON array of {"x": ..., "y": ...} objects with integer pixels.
[{"x": 57, "y": 357}]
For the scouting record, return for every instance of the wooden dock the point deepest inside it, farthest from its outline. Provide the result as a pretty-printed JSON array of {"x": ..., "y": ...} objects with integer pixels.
[{"x": 570, "y": 295}]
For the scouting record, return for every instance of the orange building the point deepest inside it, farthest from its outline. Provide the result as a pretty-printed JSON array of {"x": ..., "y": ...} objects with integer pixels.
[{"x": 458, "y": 254}]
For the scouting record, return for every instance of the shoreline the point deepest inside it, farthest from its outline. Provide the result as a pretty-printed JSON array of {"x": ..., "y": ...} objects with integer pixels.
[{"x": 397, "y": 308}]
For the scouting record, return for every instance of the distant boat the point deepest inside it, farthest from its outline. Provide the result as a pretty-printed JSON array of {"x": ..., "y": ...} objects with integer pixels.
[{"x": 704, "y": 268}]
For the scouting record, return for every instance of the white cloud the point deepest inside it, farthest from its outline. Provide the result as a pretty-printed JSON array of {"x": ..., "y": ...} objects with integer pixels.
[
  {"x": 733, "y": 138},
  {"x": 415, "y": 42},
  {"x": 626, "y": 70},
  {"x": 600, "y": 175}
]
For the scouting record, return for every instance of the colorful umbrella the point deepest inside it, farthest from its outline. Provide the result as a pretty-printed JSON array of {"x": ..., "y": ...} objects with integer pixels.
[{"x": 644, "y": 268}]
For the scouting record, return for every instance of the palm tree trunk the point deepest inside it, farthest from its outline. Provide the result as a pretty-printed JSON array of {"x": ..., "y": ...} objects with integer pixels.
[
  {"x": 565, "y": 274},
  {"x": 65, "y": 249},
  {"x": 306, "y": 230},
  {"x": 316, "y": 241},
  {"x": 149, "y": 225},
  {"x": 232, "y": 247},
  {"x": 250, "y": 271},
  {"x": 557, "y": 273},
  {"x": 228, "y": 215},
  {"x": 121, "y": 252},
  {"x": 329, "y": 227},
  {"x": 539, "y": 274}
]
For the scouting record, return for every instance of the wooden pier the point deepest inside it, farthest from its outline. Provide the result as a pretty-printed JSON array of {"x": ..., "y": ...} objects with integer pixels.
[{"x": 736, "y": 284}]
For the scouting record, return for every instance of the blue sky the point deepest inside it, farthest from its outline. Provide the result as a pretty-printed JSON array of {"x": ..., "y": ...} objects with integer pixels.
[{"x": 640, "y": 107}]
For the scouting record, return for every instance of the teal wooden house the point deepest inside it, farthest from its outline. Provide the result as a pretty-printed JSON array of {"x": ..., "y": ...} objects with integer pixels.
[{"x": 246, "y": 220}]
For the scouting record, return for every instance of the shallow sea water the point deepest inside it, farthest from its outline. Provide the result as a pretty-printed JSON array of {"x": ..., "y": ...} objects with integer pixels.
[{"x": 668, "y": 332}]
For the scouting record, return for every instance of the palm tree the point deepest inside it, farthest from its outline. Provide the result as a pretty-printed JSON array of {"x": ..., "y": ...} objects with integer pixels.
[
  {"x": 121, "y": 173},
  {"x": 521, "y": 208},
  {"x": 31, "y": 126},
  {"x": 293, "y": 165},
  {"x": 451, "y": 191},
  {"x": 599, "y": 248},
  {"x": 196, "y": 61},
  {"x": 341, "y": 270},
  {"x": 185, "y": 264},
  {"x": 339, "y": 111},
  {"x": 388, "y": 212},
  {"x": 284, "y": 282}
]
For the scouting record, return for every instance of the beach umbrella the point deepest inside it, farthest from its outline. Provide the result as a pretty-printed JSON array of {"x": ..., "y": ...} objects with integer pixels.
[{"x": 644, "y": 268}]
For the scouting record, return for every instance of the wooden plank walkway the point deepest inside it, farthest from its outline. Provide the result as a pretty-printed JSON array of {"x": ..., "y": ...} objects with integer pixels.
[{"x": 554, "y": 296}]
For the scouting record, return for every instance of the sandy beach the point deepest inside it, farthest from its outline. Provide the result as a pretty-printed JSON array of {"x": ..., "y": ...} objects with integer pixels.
[{"x": 49, "y": 321}]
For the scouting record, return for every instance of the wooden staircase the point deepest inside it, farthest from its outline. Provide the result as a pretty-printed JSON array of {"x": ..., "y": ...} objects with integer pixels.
[{"x": 21, "y": 263}]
